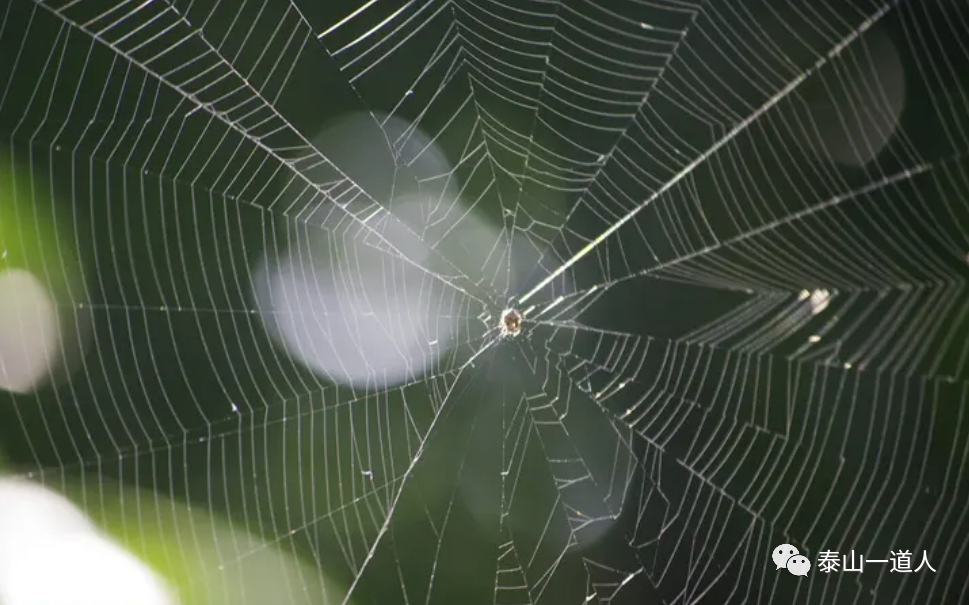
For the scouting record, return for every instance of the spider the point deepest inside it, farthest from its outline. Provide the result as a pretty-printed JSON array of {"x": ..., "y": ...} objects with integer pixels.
[{"x": 510, "y": 323}]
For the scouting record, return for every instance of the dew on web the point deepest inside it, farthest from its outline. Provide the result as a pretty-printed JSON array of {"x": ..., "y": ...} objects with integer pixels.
[{"x": 490, "y": 301}]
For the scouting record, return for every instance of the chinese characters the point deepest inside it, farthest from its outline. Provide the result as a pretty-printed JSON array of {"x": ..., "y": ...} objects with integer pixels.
[{"x": 901, "y": 561}]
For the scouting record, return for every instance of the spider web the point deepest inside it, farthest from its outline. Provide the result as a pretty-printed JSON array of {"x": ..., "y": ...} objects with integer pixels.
[{"x": 737, "y": 233}]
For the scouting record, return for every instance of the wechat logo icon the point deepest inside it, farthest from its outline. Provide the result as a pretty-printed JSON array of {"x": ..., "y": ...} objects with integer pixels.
[{"x": 787, "y": 557}]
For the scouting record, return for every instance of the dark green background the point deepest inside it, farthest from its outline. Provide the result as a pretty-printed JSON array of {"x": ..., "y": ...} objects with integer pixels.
[{"x": 167, "y": 232}]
